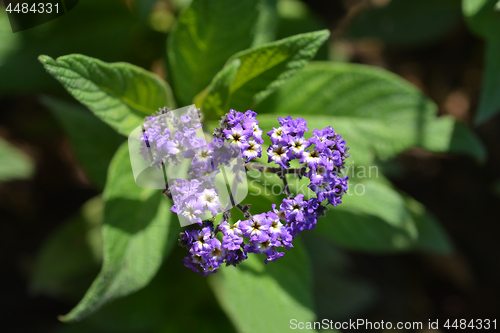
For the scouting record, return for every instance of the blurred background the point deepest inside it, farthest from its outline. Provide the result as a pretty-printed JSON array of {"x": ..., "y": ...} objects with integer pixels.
[{"x": 43, "y": 186}]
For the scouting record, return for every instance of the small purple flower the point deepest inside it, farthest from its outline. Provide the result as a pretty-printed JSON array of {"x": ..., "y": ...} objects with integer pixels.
[
  {"x": 254, "y": 150},
  {"x": 201, "y": 241},
  {"x": 230, "y": 229},
  {"x": 234, "y": 117},
  {"x": 311, "y": 157},
  {"x": 256, "y": 227},
  {"x": 278, "y": 153},
  {"x": 294, "y": 208},
  {"x": 276, "y": 225},
  {"x": 232, "y": 242},
  {"x": 192, "y": 210},
  {"x": 210, "y": 199},
  {"x": 278, "y": 135},
  {"x": 237, "y": 136}
]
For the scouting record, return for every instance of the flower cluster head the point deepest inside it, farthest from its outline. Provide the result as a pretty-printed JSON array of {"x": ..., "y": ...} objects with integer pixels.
[
  {"x": 168, "y": 139},
  {"x": 321, "y": 156},
  {"x": 242, "y": 131},
  {"x": 193, "y": 201}
]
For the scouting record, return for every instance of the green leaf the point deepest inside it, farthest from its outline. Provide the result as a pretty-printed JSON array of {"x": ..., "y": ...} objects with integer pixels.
[
  {"x": 70, "y": 257},
  {"x": 205, "y": 36},
  {"x": 372, "y": 217},
  {"x": 265, "y": 68},
  {"x": 375, "y": 111},
  {"x": 407, "y": 22},
  {"x": 431, "y": 236},
  {"x": 15, "y": 163},
  {"x": 120, "y": 94},
  {"x": 161, "y": 306},
  {"x": 264, "y": 298},
  {"x": 94, "y": 142},
  {"x": 216, "y": 95},
  {"x": 138, "y": 231},
  {"x": 483, "y": 17}
]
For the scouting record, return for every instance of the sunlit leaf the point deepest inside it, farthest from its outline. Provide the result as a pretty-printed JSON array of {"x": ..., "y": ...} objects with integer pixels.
[
  {"x": 120, "y": 94},
  {"x": 205, "y": 36},
  {"x": 262, "y": 70},
  {"x": 138, "y": 231},
  {"x": 264, "y": 298},
  {"x": 375, "y": 111}
]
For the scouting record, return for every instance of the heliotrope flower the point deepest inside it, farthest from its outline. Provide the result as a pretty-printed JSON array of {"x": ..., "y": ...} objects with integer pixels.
[{"x": 322, "y": 158}]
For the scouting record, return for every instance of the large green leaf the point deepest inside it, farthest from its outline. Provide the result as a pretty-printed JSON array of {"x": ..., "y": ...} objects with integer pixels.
[
  {"x": 15, "y": 163},
  {"x": 264, "y": 298},
  {"x": 375, "y": 111},
  {"x": 262, "y": 70},
  {"x": 95, "y": 150},
  {"x": 372, "y": 217},
  {"x": 138, "y": 231},
  {"x": 70, "y": 257},
  {"x": 407, "y": 22},
  {"x": 120, "y": 94},
  {"x": 205, "y": 36},
  {"x": 167, "y": 305},
  {"x": 483, "y": 17}
]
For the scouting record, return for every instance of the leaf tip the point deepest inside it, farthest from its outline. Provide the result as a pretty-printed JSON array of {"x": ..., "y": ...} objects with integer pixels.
[
  {"x": 44, "y": 59},
  {"x": 62, "y": 319}
]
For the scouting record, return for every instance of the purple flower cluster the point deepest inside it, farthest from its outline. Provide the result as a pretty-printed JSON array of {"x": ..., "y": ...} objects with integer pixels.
[
  {"x": 263, "y": 233},
  {"x": 193, "y": 201},
  {"x": 325, "y": 160},
  {"x": 322, "y": 157},
  {"x": 242, "y": 131},
  {"x": 169, "y": 138},
  {"x": 205, "y": 250},
  {"x": 288, "y": 141}
]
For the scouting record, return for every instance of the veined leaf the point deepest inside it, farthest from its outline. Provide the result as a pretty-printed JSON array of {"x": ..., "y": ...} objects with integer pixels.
[
  {"x": 205, "y": 36},
  {"x": 376, "y": 112},
  {"x": 263, "y": 69},
  {"x": 372, "y": 217},
  {"x": 94, "y": 142},
  {"x": 120, "y": 94},
  {"x": 15, "y": 163},
  {"x": 264, "y": 298},
  {"x": 138, "y": 231},
  {"x": 483, "y": 17}
]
